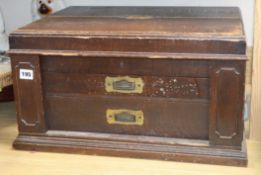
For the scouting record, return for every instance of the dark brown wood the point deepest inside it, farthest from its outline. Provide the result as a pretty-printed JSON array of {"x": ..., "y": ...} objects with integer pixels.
[
  {"x": 126, "y": 66},
  {"x": 83, "y": 43},
  {"x": 139, "y": 29},
  {"x": 140, "y": 148},
  {"x": 227, "y": 92},
  {"x": 7, "y": 94},
  {"x": 173, "y": 120},
  {"x": 190, "y": 60},
  {"x": 93, "y": 84},
  {"x": 28, "y": 95}
]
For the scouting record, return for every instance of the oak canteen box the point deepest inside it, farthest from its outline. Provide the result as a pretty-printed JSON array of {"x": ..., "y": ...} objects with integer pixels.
[{"x": 147, "y": 82}]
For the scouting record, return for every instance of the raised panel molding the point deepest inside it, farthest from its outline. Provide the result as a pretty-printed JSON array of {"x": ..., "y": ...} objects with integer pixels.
[
  {"x": 28, "y": 124},
  {"x": 225, "y": 113},
  {"x": 29, "y": 102},
  {"x": 22, "y": 118},
  {"x": 221, "y": 73}
]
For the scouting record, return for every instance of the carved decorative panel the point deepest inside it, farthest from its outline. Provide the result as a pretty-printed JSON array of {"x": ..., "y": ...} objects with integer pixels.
[
  {"x": 29, "y": 103},
  {"x": 228, "y": 78},
  {"x": 226, "y": 113},
  {"x": 179, "y": 87}
]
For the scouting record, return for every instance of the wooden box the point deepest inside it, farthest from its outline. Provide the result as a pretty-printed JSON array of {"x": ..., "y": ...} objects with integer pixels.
[{"x": 148, "y": 82}]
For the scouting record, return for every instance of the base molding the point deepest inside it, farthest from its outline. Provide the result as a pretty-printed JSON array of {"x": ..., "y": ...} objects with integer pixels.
[{"x": 132, "y": 149}]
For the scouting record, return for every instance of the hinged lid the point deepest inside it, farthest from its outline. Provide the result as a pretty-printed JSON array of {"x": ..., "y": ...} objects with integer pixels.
[{"x": 137, "y": 29}]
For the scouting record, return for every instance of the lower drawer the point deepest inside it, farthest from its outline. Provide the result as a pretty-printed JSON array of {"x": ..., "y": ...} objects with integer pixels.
[{"x": 163, "y": 117}]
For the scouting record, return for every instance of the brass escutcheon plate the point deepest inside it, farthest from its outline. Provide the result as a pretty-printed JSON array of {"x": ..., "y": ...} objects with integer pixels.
[
  {"x": 124, "y": 84},
  {"x": 125, "y": 117}
]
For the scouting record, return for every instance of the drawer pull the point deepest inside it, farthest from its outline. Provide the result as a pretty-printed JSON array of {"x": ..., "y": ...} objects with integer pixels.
[
  {"x": 124, "y": 84},
  {"x": 124, "y": 117}
]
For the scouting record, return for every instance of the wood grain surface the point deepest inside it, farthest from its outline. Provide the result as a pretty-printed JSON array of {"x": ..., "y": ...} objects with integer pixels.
[
  {"x": 141, "y": 29},
  {"x": 185, "y": 98},
  {"x": 13, "y": 162}
]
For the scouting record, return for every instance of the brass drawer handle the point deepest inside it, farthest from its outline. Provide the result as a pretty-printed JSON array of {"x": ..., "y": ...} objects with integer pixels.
[
  {"x": 124, "y": 84},
  {"x": 124, "y": 117}
]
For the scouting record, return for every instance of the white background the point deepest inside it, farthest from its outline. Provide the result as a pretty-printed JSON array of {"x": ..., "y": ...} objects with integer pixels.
[{"x": 18, "y": 12}]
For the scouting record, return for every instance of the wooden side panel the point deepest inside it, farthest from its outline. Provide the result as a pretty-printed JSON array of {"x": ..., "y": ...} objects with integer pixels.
[
  {"x": 226, "y": 111},
  {"x": 28, "y": 93}
]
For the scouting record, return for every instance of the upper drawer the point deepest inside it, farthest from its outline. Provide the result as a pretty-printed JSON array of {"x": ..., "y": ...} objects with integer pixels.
[
  {"x": 125, "y": 77},
  {"x": 147, "y": 86}
]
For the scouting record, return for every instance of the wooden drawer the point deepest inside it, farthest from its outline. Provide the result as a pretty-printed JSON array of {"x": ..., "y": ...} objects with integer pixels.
[
  {"x": 94, "y": 76},
  {"x": 79, "y": 99},
  {"x": 113, "y": 85},
  {"x": 161, "y": 117}
]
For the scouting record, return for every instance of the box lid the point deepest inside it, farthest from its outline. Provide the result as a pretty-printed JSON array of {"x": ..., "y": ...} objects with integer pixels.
[{"x": 216, "y": 30}]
